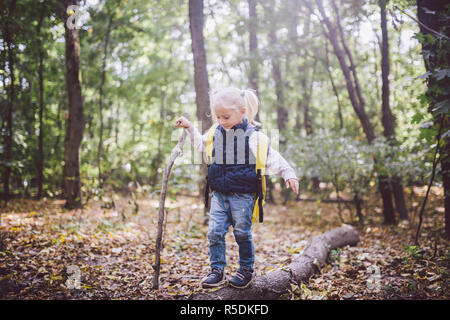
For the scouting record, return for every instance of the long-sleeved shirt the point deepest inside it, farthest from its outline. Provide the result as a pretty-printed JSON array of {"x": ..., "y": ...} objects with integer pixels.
[{"x": 275, "y": 162}]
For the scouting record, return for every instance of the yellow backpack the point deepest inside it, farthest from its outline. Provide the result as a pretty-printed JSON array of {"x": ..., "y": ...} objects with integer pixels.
[{"x": 261, "y": 160}]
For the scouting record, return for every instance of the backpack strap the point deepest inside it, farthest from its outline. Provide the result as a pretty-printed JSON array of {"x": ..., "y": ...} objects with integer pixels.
[
  {"x": 209, "y": 149},
  {"x": 261, "y": 160},
  {"x": 209, "y": 143}
]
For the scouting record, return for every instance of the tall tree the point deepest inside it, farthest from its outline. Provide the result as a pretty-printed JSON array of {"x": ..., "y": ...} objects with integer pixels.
[
  {"x": 306, "y": 70},
  {"x": 282, "y": 113},
  {"x": 253, "y": 49},
  {"x": 253, "y": 45},
  {"x": 387, "y": 118},
  {"x": 101, "y": 96},
  {"x": 8, "y": 12},
  {"x": 254, "y": 69},
  {"x": 40, "y": 155},
  {"x": 435, "y": 29},
  {"x": 200, "y": 72},
  {"x": 333, "y": 33},
  {"x": 201, "y": 82},
  {"x": 333, "y": 85},
  {"x": 75, "y": 120}
]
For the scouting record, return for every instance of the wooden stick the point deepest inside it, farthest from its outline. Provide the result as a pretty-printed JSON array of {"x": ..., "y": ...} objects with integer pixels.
[{"x": 177, "y": 151}]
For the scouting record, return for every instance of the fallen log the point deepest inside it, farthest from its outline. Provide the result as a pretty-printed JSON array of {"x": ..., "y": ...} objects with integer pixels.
[
  {"x": 331, "y": 200},
  {"x": 272, "y": 285}
]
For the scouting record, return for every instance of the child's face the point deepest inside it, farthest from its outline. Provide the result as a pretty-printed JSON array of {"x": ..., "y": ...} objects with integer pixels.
[{"x": 229, "y": 117}]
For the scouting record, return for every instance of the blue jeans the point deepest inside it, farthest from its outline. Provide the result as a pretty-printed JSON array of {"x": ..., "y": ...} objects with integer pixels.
[{"x": 235, "y": 210}]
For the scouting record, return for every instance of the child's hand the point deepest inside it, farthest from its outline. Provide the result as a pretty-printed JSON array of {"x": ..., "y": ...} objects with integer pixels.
[
  {"x": 182, "y": 122},
  {"x": 293, "y": 184}
]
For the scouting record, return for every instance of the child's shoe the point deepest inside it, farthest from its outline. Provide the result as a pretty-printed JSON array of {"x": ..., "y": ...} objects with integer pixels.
[
  {"x": 243, "y": 278},
  {"x": 214, "y": 279}
]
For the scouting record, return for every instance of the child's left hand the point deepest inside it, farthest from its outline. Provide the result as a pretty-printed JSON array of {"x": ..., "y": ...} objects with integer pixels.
[{"x": 293, "y": 184}]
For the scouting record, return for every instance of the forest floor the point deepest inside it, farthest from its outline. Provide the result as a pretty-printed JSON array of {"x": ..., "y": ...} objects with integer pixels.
[{"x": 47, "y": 252}]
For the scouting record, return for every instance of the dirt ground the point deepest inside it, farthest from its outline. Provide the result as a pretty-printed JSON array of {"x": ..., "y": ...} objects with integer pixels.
[{"x": 107, "y": 252}]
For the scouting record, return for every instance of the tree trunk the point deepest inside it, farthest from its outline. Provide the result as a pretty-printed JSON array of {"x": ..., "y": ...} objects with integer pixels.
[
  {"x": 431, "y": 21},
  {"x": 399, "y": 198},
  {"x": 158, "y": 158},
  {"x": 200, "y": 77},
  {"x": 306, "y": 88},
  {"x": 303, "y": 102},
  {"x": 307, "y": 100},
  {"x": 445, "y": 167},
  {"x": 387, "y": 119},
  {"x": 282, "y": 114},
  {"x": 75, "y": 121},
  {"x": 303, "y": 88},
  {"x": 100, "y": 100},
  {"x": 358, "y": 202},
  {"x": 9, "y": 113},
  {"x": 272, "y": 285},
  {"x": 361, "y": 100},
  {"x": 254, "y": 72},
  {"x": 356, "y": 99},
  {"x": 350, "y": 80},
  {"x": 253, "y": 45},
  {"x": 253, "y": 48},
  {"x": 40, "y": 156},
  {"x": 200, "y": 71},
  {"x": 221, "y": 50},
  {"x": 333, "y": 85}
]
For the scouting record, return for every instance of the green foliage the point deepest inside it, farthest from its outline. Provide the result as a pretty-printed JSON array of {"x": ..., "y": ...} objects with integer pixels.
[
  {"x": 149, "y": 82},
  {"x": 348, "y": 164},
  {"x": 436, "y": 53},
  {"x": 412, "y": 251},
  {"x": 106, "y": 225},
  {"x": 334, "y": 255}
]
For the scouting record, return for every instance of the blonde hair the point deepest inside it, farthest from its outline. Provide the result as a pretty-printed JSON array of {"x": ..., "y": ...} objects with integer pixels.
[{"x": 234, "y": 98}]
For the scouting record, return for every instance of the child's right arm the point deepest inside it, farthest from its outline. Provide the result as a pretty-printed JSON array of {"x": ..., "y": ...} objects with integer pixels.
[{"x": 197, "y": 140}]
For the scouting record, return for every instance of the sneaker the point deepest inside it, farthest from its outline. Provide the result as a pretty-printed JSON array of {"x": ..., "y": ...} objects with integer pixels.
[
  {"x": 243, "y": 278},
  {"x": 214, "y": 279}
]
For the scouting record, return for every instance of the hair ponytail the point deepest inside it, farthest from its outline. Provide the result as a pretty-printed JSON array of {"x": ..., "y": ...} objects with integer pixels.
[
  {"x": 251, "y": 103},
  {"x": 235, "y": 98}
]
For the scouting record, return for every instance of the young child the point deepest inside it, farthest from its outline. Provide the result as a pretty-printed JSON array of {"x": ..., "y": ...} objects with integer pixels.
[{"x": 232, "y": 178}]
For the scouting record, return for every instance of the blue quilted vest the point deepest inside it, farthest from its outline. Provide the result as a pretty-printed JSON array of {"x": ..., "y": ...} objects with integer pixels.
[{"x": 232, "y": 169}]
